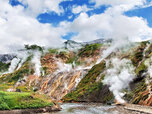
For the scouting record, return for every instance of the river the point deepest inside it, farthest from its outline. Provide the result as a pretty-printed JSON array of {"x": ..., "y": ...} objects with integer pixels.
[
  {"x": 92, "y": 108},
  {"x": 86, "y": 108}
]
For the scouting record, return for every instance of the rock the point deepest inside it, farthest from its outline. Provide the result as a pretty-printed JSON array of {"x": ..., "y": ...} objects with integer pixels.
[
  {"x": 18, "y": 90},
  {"x": 31, "y": 111}
]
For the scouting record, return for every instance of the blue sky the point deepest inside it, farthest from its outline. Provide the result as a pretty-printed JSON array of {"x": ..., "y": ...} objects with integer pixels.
[
  {"x": 51, "y": 22},
  {"x": 54, "y": 18},
  {"x": 145, "y": 13}
]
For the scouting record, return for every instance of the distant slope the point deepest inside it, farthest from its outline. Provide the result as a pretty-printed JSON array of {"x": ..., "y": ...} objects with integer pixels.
[
  {"x": 70, "y": 44},
  {"x": 6, "y": 58}
]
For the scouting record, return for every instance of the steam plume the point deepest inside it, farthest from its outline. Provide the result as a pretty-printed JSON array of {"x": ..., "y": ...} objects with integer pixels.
[
  {"x": 64, "y": 67},
  {"x": 119, "y": 76},
  {"x": 148, "y": 63},
  {"x": 13, "y": 65},
  {"x": 37, "y": 63},
  {"x": 23, "y": 56},
  {"x": 117, "y": 44}
]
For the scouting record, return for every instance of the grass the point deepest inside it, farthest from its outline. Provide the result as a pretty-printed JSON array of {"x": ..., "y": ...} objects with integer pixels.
[
  {"x": 141, "y": 69},
  {"x": 16, "y": 75},
  {"x": 88, "y": 87},
  {"x": 89, "y": 50},
  {"x": 134, "y": 95},
  {"x": 137, "y": 56},
  {"x": 15, "y": 100},
  {"x": 53, "y": 51},
  {"x": 75, "y": 60},
  {"x": 4, "y": 87},
  {"x": 3, "y": 66},
  {"x": 34, "y": 47}
]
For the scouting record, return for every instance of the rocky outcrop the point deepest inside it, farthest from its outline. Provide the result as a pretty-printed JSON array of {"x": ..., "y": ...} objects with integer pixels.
[
  {"x": 90, "y": 88},
  {"x": 74, "y": 76}
]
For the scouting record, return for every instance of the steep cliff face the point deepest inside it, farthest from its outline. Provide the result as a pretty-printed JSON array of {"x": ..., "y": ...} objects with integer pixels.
[
  {"x": 61, "y": 71},
  {"x": 76, "y": 75},
  {"x": 91, "y": 87}
]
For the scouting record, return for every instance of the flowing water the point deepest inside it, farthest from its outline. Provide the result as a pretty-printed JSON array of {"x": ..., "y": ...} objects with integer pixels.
[{"x": 91, "y": 108}]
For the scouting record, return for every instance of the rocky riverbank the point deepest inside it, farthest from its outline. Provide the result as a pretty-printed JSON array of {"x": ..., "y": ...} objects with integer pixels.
[
  {"x": 139, "y": 108},
  {"x": 31, "y": 111}
]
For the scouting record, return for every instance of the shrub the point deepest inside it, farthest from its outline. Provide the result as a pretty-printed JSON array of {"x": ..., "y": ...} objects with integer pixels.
[{"x": 15, "y": 100}]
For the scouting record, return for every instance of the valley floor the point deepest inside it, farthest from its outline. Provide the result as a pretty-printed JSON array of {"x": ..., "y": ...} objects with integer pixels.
[
  {"x": 139, "y": 108},
  {"x": 31, "y": 111},
  {"x": 86, "y": 108},
  {"x": 98, "y": 108}
]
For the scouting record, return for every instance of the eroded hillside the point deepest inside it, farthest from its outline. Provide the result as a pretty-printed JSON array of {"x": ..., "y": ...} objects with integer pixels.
[{"x": 83, "y": 75}]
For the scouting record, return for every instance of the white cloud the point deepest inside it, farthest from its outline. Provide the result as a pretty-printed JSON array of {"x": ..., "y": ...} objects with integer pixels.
[
  {"x": 148, "y": 4},
  {"x": 110, "y": 26},
  {"x": 119, "y": 2},
  {"x": 112, "y": 23},
  {"x": 18, "y": 29},
  {"x": 79, "y": 9},
  {"x": 36, "y": 7},
  {"x": 19, "y": 25}
]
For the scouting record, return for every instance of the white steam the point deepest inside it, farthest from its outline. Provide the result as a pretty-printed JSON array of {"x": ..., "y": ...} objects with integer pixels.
[
  {"x": 147, "y": 46},
  {"x": 37, "y": 63},
  {"x": 18, "y": 61},
  {"x": 148, "y": 63},
  {"x": 119, "y": 76},
  {"x": 13, "y": 65},
  {"x": 117, "y": 44},
  {"x": 64, "y": 67},
  {"x": 23, "y": 57}
]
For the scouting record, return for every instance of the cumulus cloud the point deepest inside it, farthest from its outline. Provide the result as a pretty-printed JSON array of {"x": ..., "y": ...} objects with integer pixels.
[
  {"x": 112, "y": 23},
  {"x": 110, "y": 26},
  {"x": 119, "y": 2},
  {"x": 36, "y": 7},
  {"x": 79, "y": 9},
  {"x": 19, "y": 25},
  {"x": 18, "y": 29}
]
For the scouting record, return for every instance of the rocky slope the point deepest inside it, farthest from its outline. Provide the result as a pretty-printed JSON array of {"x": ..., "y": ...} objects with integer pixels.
[
  {"x": 139, "y": 91},
  {"x": 6, "y": 58},
  {"x": 80, "y": 75}
]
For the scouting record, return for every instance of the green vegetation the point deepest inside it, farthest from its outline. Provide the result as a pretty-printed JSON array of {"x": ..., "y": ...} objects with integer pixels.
[
  {"x": 89, "y": 87},
  {"x": 4, "y": 87},
  {"x": 3, "y": 67},
  {"x": 16, "y": 75},
  {"x": 23, "y": 88},
  {"x": 57, "y": 51},
  {"x": 141, "y": 69},
  {"x": 74, "y": 59},
  {"x": 63, "y": 54},
  {"x": 138, "y": 54},
  {"x": 148, "y": 52},
  {"x": 34, "y": 47},
  {"x": 53, "y": 51},
  {"x": 92, "y": 74},
  {"x": 134, "y": 95},
  {"x": 140, "y": 87},
  {"x": 15, "y": 100},
  {"x": 89, "y": 50}
]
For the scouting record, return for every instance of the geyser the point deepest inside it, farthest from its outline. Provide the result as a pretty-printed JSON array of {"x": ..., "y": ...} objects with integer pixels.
[
  {"x": 37, "y": 62},
  {"x": 118, "y": 77},
  {"x": 13, "y": 65}
]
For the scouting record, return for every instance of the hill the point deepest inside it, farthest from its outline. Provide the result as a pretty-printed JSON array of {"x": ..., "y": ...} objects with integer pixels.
[{"x": 76, "y": 75}]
